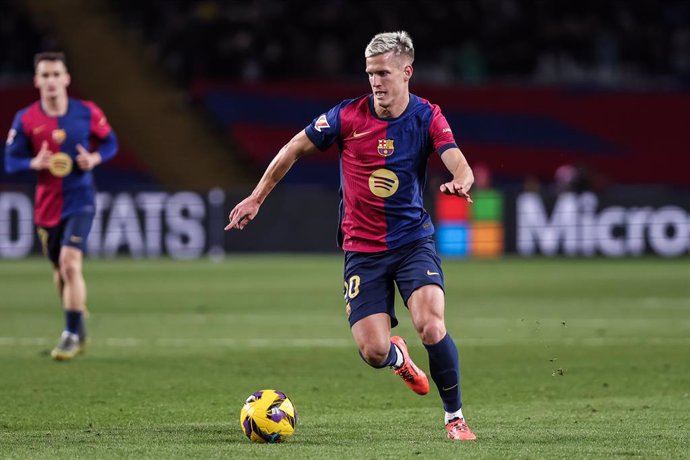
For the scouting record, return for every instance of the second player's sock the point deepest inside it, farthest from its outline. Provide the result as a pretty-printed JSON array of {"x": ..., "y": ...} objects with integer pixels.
[{"x": 74, "y": 321}]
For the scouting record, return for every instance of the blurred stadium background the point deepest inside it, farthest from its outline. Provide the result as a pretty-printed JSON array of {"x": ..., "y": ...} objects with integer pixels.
[{"x": 573, "y": 114}]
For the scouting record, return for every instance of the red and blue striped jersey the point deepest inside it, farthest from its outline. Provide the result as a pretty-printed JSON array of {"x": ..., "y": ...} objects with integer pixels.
[
  {"x": 83, "y": 123},
  {"x": 383, "y": 164}
]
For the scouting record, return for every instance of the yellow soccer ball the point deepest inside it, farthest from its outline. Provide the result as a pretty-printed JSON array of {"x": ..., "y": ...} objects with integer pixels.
[{"x": 268, "y": 416}]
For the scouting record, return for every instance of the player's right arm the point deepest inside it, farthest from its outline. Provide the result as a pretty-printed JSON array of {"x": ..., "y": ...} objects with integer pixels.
[
  {"x": 19, "y": 151},
  {"x": 246, "y": 210}
]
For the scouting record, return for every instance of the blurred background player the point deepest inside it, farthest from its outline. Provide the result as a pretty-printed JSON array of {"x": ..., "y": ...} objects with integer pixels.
[
  {"x": 385, "y": 141},
  {"x": 53, "y": 137}
]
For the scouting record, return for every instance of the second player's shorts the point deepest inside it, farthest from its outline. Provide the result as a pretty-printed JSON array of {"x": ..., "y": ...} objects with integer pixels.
[
  {"x": 370, "y": 278},
  {"x": 72, "y": 231}
]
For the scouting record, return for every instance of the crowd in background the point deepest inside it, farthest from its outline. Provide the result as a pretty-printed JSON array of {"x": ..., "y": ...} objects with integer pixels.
[
  {"x": 21, "y": 38},
  {"x": 628, "y": 43},
  {"x": 611, "y": 42}
]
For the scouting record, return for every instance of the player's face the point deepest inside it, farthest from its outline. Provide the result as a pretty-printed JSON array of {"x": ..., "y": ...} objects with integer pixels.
[
  {"x": 388, "y": 76},
  {"x": 51, "y": 78}
]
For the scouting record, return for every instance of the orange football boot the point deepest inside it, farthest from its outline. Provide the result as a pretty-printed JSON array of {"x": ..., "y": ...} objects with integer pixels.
[
  {"x": 414, "y": 377},
  {"x": 458, "y": 430}
]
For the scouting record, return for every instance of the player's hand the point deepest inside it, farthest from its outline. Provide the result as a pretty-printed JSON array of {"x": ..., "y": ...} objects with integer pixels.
[
  {"x": 87, "y": 160},
  {"x": 42, "y": 158},
  {"x": 457, "y": 189},
  {"x": 243, "y": 213}
]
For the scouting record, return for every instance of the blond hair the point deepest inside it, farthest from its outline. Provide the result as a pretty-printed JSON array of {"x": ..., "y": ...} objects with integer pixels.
[{"x": 399, "y": 42}]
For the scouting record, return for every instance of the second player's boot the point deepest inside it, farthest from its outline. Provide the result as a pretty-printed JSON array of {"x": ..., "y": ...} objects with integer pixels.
[
  {"x": 67, "y": 348},
  {"x": 414, "y": 377}
]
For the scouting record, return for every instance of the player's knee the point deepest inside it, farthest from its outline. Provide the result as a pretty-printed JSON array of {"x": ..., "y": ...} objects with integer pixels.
[
  {"x": 432, "y": 332},
  {"x": 373, "y": 355},
  {"x": 69, "y": 270}
]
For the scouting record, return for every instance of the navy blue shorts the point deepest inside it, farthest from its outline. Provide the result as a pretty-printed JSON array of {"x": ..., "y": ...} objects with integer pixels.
[
  {"x": 370, "y": 278},
  {"x": 72, "y": 231}
]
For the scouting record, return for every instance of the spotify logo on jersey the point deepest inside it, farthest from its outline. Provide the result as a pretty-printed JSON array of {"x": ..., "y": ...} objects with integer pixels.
[
  {"x": 383, "y": 183},
  {"x": 60, "y": 164}
]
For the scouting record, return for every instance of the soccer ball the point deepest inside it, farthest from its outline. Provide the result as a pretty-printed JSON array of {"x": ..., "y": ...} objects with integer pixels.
[{"x": 268, "y": 416}]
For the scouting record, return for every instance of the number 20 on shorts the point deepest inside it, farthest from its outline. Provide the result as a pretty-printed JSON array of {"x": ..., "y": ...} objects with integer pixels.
[{"x": 351, "y": 287}]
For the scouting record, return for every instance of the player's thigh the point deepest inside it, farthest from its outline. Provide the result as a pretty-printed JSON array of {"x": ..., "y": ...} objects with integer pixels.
[
  {"x": 426, "y": 306},
  {"x": 50, "y": 238},
  {"x": 71, "y": 259},
  {"x": 368, "y": 287},
  {"x": 372, "y": 334},
  {"x": 76, "y": 231},
  {"x": 420, "y": 267}
]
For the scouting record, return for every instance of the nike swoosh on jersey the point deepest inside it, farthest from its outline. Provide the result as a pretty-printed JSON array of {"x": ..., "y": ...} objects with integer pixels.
[
  {"x": 355, "y": 134},
  {"x": 38, "y": 129},
  {"x": 430, "y": 273}
]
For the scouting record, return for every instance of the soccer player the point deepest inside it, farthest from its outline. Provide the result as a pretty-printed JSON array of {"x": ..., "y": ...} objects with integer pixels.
[
  {"x": 63, "y": 139},
  {"x": 385, "y": 140}
]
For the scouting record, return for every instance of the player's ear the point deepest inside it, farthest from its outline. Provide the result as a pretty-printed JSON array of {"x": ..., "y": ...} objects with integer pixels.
[
  {"x": 68, "y": 79},
  {"x": 408, "y": 71}
]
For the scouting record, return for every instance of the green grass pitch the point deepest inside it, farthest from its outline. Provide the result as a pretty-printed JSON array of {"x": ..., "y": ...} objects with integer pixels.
[{"x": 560, "y": 359}]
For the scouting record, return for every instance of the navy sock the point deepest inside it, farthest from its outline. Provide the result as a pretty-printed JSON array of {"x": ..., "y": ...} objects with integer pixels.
[
  {"x": 444, "y": 366},
  {"x": 390, "y": 360},
  {"x": 74, "y": 321}
]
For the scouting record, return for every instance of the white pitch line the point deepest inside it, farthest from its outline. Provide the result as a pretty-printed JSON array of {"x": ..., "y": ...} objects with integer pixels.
[
  {"x": 133, "y": 342},
  {"x": 15, "y": 341},
  {"x": 129, "y": 342}
]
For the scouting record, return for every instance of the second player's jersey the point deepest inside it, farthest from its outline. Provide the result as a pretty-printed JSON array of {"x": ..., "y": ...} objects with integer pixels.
[
  {"x": 64, "y": 189},
  {"x": 383, "y": 163}
]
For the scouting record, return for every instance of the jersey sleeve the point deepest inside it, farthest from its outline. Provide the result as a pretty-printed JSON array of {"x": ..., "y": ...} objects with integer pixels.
[
  {"x": 102, "y": 131},
  {"x": 325, "y": 129},
  {"x": 18, "y": 149},
  {"x": 99, "y": 123},
  {"x": 440, "y": 132}
]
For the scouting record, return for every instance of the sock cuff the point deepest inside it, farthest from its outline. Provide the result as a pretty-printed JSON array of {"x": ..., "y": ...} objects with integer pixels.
[
  {"x": 74, "y": 320},
  {"x": 441, "y": 343},
  {"x": 450, "y": 415},
  {"x": 393, "y": 354}
]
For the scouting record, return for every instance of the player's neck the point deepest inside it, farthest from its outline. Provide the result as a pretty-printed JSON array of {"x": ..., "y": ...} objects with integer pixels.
[
  {"x": 54, "y": 106},
  {"x": 395, "y": 109}
]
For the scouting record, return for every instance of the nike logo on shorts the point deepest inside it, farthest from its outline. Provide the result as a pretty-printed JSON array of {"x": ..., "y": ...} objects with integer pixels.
[{"x": 430, "y": 273}]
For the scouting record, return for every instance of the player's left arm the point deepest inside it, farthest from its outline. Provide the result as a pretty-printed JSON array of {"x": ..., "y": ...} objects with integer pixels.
[
  {"x": 445, "y": 145},
  {"x": 463, "y": 178},
  {"x": 105, "y": 138}
]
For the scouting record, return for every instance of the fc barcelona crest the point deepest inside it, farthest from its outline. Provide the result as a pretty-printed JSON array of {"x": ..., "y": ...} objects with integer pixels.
[
  {"x": 59, "y": 136},
  {"x": 385, "y": 147}
]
